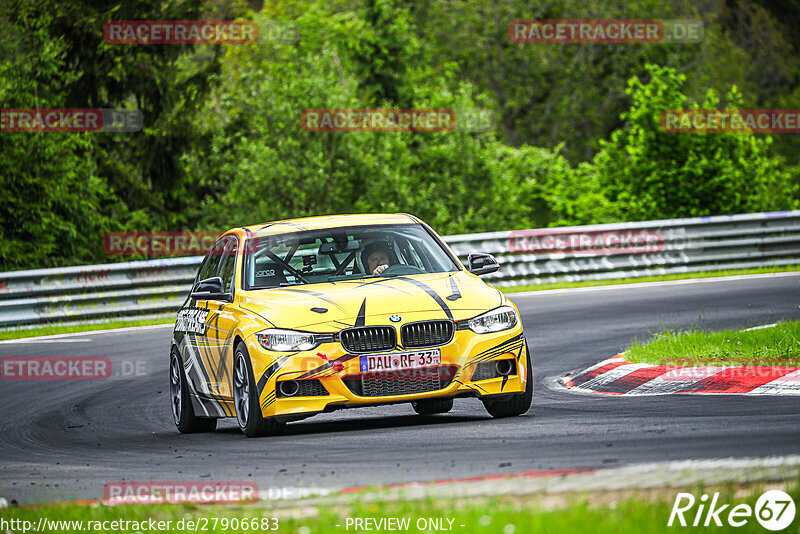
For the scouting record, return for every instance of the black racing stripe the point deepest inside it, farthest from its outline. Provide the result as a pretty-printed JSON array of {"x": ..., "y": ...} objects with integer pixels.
[
  {"x": 203, "y": 371},
  {"x": 269, "y": 399},
  {"x": 322, "y": 368},
  {"x": 362, "y": 314},
  {"x": 383, "y": 281},
  {"x": 493, "y": 354},
  {"x": 277, "y": 364},
  {"x": 509, "y": 341},
  {"x": 209, "y": 352},
  {"x": 222, "y": 372},
  {"x": 456, "y": 293},
  {"x": 505, "y": 379},
  {"x": 205, "y": 351},
  {"x": 498, "y": 350},
  {"x": 317, "y": 294},
  {"x": 217, "y": 370},
  {"x": 435, "y": 296},
  {"x": 477, "y": 386},
  {"x": 488, "y": 357},
  {"x": 223, "y": 353},
  {"x": 507, "y": 345}
]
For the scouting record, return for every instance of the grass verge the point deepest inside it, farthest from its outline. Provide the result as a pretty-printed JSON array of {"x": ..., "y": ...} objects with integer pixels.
[
  {"x": 778, "y": 345},
  {"x": 654, "y": 278},
  {"x": 600, "y": 512},
  {"x": 48, "y": 330}
]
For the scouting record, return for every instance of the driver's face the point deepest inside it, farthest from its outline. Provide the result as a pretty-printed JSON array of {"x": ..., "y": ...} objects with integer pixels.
[{"x": 377, "y": 258}]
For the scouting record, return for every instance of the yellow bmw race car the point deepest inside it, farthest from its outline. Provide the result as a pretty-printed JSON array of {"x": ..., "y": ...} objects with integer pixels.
[{"x": 294, "y": 318}]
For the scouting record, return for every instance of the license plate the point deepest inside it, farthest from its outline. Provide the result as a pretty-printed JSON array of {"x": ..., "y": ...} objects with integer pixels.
[{"x": 398, "y": 361}]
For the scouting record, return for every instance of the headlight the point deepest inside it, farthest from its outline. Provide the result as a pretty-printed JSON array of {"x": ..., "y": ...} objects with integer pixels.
[
  {"x": 496, "y": 320},
  {"x": 290, "y": 340}
]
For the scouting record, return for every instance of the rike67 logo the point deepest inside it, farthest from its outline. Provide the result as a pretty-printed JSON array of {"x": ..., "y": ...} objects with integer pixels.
[{"x": 774, "y": 510}]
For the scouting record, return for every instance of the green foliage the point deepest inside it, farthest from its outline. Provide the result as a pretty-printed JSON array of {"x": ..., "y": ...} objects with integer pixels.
[
  {"x": 649, "y": 174},
  {"x": 457, "y": 181},
  {"x": 223, "y": 145},
  {"x": 51, "y": 211}
]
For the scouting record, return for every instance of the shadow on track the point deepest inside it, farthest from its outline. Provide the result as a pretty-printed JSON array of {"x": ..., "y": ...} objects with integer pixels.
[{"x": 365, "y": 423}]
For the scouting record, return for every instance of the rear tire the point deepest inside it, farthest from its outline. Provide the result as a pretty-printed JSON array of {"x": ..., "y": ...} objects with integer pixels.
[
  {"x": 432, "y": 406},
  {"x": 518, "y": 404},
  {"x": 182, "y": 409},
  {"x": 245, "y": 396}
]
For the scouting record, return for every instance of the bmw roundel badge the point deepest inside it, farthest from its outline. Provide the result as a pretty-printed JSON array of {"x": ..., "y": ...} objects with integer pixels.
[{"x": 395, "y": 318}]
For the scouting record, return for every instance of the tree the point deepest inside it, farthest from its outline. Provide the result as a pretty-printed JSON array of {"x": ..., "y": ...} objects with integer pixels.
[
  {"x": 53, "y": 208},
  {"x": 649, "y": 174}
]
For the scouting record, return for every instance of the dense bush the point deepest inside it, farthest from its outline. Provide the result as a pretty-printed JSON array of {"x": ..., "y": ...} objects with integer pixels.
[
  {"x": 222, "y": 144},
  {"x": 649, "y": 174}
]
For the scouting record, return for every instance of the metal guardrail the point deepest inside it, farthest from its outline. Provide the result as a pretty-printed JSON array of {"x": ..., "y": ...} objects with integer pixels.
[{"x": 596, "y": 252}]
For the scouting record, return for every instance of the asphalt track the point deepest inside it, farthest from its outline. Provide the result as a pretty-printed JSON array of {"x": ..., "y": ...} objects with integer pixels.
[{"x": 62, "y": 440}]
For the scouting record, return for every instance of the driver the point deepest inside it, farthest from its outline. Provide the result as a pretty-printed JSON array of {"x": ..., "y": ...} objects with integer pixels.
[{"x": 376, "y": 257}]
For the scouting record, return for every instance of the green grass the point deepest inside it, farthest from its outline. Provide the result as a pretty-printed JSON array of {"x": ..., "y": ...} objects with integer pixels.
[
  {"x": 776, "y": 346},
  {"x": 47, "y": 330},
  {"x": 602, "y": 512},
  {"x": 654, "y": 278}
]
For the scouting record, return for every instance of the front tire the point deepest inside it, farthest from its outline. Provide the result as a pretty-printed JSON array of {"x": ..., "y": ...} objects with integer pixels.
[
  {"x": 432, "y": 406},
  {"x": 517, "y": 404},
  {"x": 182, "y": 410},
  {"x": 245, "y": 397}
]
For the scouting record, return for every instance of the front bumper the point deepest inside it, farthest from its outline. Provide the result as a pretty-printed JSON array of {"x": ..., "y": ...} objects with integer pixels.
[{"x": 338, "y": 372}]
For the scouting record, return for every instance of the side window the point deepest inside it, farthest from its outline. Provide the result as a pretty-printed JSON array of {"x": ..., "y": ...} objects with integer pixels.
[
  {"x": 228, "y": 263},
  {"x": 212, "y": 261}
]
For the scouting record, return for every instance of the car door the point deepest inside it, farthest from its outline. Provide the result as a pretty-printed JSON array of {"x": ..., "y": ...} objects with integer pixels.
[
  {"x": 200, "y": 347},
  {"x": 221, "y": 323}
]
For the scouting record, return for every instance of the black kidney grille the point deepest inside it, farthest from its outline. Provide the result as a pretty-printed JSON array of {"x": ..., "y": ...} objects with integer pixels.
[
  {"x": 368, "y": 338},
  {"x": 405, "y": 382},
  {"x": 427, "y": 333}
]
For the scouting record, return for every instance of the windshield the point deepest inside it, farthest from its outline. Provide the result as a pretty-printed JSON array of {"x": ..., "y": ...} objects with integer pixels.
[{"x": 335, "y": 254}]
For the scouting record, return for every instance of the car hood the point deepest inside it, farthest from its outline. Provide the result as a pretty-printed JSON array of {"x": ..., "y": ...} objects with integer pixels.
[{"x": 332, "y": 306}]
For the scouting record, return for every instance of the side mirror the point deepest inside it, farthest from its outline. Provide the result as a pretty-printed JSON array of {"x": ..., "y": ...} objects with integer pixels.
[
  {"x": 479, "y": 263},
  {"x": 210, "y": 289}
]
